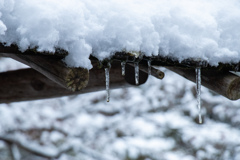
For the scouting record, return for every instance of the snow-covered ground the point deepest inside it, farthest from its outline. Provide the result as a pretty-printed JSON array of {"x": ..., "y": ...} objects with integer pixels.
[{"x": 156, "y": 121}]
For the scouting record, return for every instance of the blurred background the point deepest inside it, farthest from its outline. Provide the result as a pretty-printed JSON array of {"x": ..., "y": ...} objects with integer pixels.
[{"x": 155, "y": 121}]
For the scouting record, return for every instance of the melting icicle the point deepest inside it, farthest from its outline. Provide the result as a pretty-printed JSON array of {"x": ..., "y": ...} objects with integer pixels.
[
  {"x": 15, "y": 152},
  {"x": 237, "y": 68},
  {"x": 198, "y": 88},
  {"x": 107, "y": 76},
  {"x": 123, "y": 64},
  {"x": 149, "y": 67},
  {"x": 136, "y": 66}
]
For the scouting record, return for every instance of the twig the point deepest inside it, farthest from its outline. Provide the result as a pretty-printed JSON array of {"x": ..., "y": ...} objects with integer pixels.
[
  {"x": 154, "y": 72},
  {"x": 39, "y": 130},
  {"x": 52, "y": 153},
  {"x": 37, "y": 150}
]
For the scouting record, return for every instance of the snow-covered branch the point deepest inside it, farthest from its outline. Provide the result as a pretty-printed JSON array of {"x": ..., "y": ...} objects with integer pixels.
[
  {"x": 46, "y": 152},
  {"x": 49, "y": 152},
  {"x": 39, "y": 130}
]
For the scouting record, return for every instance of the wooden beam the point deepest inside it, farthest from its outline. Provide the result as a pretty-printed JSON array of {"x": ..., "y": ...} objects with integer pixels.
[
  {"x": 123, "y": 56},
  {"x": 154, "y": 72},
  {"x": 223, "y": 83},
  {"x": 217, "y": 79},
  {"x": 31, "y": 51},
  {"x": 55, "y": 69},
  {"x": 28, "y": 84},
  {"x": 168, "y": 61}
]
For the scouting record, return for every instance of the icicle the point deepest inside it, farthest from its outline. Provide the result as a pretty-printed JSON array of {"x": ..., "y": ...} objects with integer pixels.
[
  {"x": 198, "y": 88},
  {"x": 149, "y": 67},
  {"x": 123, "y": 64},
  {"x": 107, "y": 76},
  {"x": 15, "y": 152},
  {"x": 236, "y": 68},
  {"x": 136, "y": 66}
]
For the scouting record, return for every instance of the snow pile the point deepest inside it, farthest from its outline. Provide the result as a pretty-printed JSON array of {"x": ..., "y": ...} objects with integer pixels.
[{"x": 206, "y": 29}]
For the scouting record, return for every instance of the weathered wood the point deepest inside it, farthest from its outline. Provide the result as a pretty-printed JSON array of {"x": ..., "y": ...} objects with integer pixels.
[
  {"x": 217, "y": 79},
  {"x": 52, "y": 67},
  {"x": 31, "y": 51},
  {"x": 168, "y": 61},
  {"x": 28, "y": 84},
  {"x": 154, "y": 72},
  {"x": 224, "y": 83}
]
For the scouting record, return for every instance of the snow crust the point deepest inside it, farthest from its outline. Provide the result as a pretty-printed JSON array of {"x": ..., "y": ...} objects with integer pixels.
[{"x": 206, "y": 29}]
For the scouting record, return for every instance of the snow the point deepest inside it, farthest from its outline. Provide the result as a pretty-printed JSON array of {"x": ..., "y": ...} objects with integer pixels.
[
  {"x": 155, "y": 120},
  {"x": 10, "y": 64},
  {"x": 206, "y": 29}
]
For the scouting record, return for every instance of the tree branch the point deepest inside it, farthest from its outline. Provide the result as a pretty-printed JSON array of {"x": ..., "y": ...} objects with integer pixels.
[
  {"x": 50, "y": 153},
  {"x": 37, "y": 130},
  {"x": 37, "y": 150}
]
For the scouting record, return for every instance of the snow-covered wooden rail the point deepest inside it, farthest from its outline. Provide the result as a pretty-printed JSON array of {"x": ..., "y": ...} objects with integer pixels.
[{"x": 56, "y": 79}]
